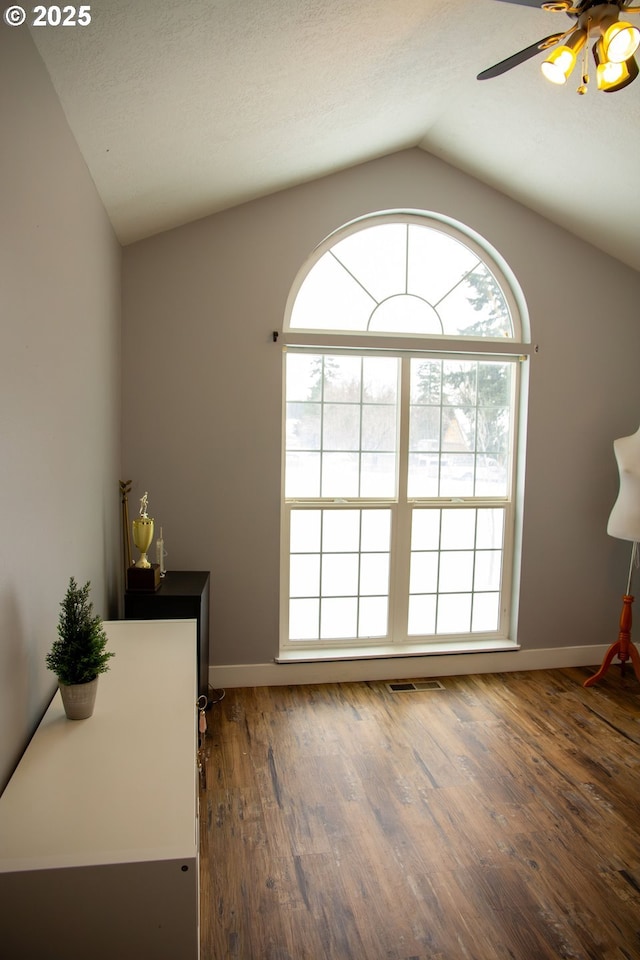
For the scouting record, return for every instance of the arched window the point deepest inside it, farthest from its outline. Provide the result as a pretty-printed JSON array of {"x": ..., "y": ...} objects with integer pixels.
[{"x": 402, "y": 396}]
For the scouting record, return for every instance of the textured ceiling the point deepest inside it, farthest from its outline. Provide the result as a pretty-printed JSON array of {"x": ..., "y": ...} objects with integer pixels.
[{"x": 182, "y": 109}]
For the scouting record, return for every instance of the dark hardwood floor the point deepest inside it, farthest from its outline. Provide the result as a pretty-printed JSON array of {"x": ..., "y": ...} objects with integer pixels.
[{"x": 496, "y": 818}]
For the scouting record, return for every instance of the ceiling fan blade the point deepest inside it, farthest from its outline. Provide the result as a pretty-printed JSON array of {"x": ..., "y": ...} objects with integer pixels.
[{"x": 520, "y": 57}]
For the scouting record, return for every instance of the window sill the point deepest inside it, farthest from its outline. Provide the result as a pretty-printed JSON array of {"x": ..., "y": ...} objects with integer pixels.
[{"x": 388, "y": 651}]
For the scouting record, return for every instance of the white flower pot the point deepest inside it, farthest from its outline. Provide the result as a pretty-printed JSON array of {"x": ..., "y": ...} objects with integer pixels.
[{"x": 79, "y": 699}]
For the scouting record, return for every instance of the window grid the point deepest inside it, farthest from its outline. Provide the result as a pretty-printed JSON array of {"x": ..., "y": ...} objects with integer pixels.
[
  {"x": 459, "y": 459},
  {"x": 495, "y": 550},
  {"x": 470, "y": 598},
  {"x": 318, "y": 464},
  {"x": 323, "y": 597},
  {"x": 372, "y": 293},
  {"x": 458, "y": 269}
]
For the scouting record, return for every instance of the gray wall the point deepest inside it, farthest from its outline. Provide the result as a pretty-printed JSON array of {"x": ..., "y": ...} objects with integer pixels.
[
  {"x": 202, "y": 394},
  {"x": 59, "y": 387}
]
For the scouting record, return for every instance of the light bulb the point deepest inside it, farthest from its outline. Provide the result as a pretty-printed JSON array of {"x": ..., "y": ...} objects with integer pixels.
[
  {"x": 613, "y": 76},
  {"x": 609, "y": 73},
  {"x": 620, "y": 41},
  {"x": 559, "y": 65},
  {"x": 562, "y": 60}
]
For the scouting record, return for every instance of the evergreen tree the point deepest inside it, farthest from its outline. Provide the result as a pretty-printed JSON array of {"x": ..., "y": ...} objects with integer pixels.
[
  {"x": 480, "y": 390},
  {"x": 78, "y": 655},
  {"x": 486, "y": 298}
]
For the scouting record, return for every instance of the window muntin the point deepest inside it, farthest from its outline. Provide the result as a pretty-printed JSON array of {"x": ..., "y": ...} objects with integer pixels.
[
  {"x": 403, "y": 431},
  {"x": 456, "y": 570},
  {"x": 402, "y": 278},
  {"x": 340, "y": 406},
  {"x": 460, "y": 427},
  {"x": 341, "y": 426},
  {"x": 339, "y": 573}
]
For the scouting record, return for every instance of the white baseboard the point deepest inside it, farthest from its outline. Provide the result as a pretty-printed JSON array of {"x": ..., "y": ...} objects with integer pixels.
[{"x": 402, "y": 668}]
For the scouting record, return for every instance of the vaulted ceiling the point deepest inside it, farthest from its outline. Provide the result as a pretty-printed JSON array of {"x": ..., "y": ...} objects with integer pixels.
[{"x": 182, "y": 108}]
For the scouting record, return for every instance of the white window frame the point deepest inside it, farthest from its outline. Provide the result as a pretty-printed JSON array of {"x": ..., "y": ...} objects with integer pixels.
[{"x": 406, "y": 347}]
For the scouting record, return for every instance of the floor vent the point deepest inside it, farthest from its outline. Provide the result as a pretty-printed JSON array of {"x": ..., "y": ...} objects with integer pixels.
[{"x": 414, "y": 686}]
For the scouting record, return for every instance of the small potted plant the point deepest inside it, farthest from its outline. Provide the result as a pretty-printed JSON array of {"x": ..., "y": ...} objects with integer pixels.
[{"x": 78, "y": 656}]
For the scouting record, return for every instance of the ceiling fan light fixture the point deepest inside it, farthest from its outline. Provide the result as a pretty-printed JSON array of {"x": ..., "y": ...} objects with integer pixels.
[
  {"x": 620, "y": 41},
  {"x": 612, "y": 76},
  {"x": 561, "y": 61}
]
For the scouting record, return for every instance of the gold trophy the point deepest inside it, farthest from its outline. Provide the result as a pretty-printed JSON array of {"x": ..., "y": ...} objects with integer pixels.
[
  {"x": 143, "y": 575},
  {"x": 143, "y": 533}
]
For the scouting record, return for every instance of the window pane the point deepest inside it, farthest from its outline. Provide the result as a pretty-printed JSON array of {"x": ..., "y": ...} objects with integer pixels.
[
  {"x": 339, "y": 574},
  {"x": 339, "y": 618},
  {"x": 454, "y": 486},
  {"x": 459, "y": 382},
  {"x": 456, "y": 571},
  {"x": 436, "y": 263},
  {"x": 494, "y": 384},
  {"x": 304, "y": 531},
  {"x": 373, "y": 617},
  {"x": 340, "y": 531},
  {"x": 302, "y": 377},
  {"x": 422, "y": 615},
  {"x": 425, "y": 530},
  {"x": 304, "y": 619},
  {"x": 377, "y": 257},
  {"x": 341, "y": 426},
  {"x": 380, "y": 380},
  {"x": 342, "y": 379},
  {"x": 425, "y": 429},
  {"x": 490, "y": 529},
  {"x": 458, "y": 529},
  {"x": 476, "y": 307},
  {"x": 376, "y": 530},
  {"x": 405, "y": 314},
  {"x": 488, "y": 570},
  {"x": 491, "y": 477},
  {"x": 303, "y": 426},
  {"x": 374, "y": 574},
  {"x": 302, "y": 475},
  {"x": 424, "y": 573},
  {"x": 340, "y": 475},
  {"x": 454, "y": 613},
  {"x": 331, "y": 299},
  {"x": 423, "y": 480},
  {"x": 378, "y": 475},
  {"x": 426, "y": 382},
  {"x": 304, "y": 575},
  {"x": 485, "y": 612},
  {"x": 379, "y": 427}
]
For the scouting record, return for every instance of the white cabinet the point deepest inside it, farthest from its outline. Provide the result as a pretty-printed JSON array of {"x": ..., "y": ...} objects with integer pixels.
[{"x": 99, "y": 825}]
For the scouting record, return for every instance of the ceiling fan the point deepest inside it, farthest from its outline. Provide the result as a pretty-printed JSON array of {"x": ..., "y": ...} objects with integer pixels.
[{"x": 615, "y": 42}]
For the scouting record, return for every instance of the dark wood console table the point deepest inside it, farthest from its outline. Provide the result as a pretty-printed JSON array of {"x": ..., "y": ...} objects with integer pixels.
[{"x": 182, "y": 595}]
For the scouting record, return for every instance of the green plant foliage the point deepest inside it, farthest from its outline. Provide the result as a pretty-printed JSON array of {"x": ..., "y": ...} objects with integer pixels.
[{"x": 78, "y": 655}]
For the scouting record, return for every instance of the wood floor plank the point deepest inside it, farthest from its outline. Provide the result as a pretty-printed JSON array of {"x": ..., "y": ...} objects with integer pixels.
[{"x": 496, "y": 819}]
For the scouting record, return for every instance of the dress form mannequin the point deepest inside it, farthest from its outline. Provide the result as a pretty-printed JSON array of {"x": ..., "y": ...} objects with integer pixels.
[{"x": 624, "y": 523}]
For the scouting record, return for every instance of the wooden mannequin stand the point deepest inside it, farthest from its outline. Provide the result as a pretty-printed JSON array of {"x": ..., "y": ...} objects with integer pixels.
[{"x": 623, "y": 647}]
